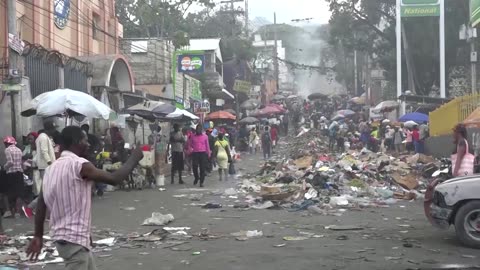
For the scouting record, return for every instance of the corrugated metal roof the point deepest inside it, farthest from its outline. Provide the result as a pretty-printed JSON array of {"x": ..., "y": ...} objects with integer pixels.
[{"x": 211, "y": 44}]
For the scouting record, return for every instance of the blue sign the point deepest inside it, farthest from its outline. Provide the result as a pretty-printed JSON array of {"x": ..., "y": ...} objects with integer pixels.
[
  {"x": 188, "y": 63},
  {"x": 61, "y": 11}
]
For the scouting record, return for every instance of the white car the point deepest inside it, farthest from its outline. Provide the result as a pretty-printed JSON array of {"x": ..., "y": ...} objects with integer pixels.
[{"x": 456, "y": 201}]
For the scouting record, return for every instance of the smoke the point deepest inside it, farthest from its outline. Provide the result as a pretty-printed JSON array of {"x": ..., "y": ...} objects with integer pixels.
[{"x": 310, "y": 49}]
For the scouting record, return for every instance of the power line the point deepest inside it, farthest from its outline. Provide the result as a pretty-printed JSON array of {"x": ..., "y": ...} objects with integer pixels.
[{"x": 162, "y": 58}]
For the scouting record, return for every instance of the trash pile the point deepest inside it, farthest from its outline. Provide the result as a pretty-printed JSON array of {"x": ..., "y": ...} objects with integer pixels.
[{"x": 305, "y": 176}]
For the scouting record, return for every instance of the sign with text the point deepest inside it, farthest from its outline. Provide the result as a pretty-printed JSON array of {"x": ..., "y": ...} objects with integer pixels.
[
  {"x": 420, "y": 8},
  {"x": 15, "y": 43},
  {"x": 201, "y": 107},
  {"x": 474, "y": 12},
  {"x": 242, "y": 86},
  {"x": 189, "y": 63}
]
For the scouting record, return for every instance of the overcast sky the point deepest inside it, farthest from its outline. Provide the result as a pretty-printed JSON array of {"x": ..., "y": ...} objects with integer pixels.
[{"x": 290, "y": 9}]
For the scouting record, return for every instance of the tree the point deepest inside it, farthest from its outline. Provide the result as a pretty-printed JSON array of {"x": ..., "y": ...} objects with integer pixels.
[
  {"x": 376, "y": 18},
  {"x": 154, "y": 18}
]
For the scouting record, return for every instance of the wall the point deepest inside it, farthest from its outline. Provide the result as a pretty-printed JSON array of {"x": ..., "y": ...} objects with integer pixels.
[
  {"x": 442, "y": 146},
  {"x": 151, "y": 64},
  {"x": 35, "y": 24}
]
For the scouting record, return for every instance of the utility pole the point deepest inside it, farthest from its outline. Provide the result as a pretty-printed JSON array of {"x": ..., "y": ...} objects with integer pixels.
[
  {"x": 247, "y": 22},
  {"x": 275, "y": 53},
  {"x": 12, "y": 58},
  {"x": 472, "y": 34}
]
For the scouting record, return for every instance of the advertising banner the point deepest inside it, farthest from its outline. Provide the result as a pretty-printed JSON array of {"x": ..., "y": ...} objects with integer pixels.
[
  {"x": 420, "y": 8},
  {"x": 474, "y": 12},
  {"x": 190, "y": 63}
]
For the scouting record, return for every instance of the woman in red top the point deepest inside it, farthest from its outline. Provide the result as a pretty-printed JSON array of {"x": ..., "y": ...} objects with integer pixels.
[
  {"x": 274, "y": 135},
  {"x": 416, "y": 139}
]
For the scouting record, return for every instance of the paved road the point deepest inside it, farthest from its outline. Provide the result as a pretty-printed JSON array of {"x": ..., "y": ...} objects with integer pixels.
[{"x": 380, "y": 245}]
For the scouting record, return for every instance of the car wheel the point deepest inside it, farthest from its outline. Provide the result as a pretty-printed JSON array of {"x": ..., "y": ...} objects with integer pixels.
[{"x": 467, "y": 224}]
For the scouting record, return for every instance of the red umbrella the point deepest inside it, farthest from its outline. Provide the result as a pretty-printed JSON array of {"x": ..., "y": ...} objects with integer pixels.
[
  {"x": 270, "y": 110},
  {"x": 277, "y": 106},
  {"x": 221, "y": 115}
]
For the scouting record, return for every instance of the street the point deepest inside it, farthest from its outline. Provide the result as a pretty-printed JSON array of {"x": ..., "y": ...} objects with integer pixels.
[{"x": 396, "y": 237}]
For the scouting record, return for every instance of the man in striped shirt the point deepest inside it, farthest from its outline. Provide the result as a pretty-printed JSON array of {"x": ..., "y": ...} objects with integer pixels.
[{"x": 66, "y": 193}]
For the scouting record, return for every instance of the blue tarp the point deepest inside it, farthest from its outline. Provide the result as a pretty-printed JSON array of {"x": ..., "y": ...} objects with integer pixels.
[{"x": 415, "y": 117}]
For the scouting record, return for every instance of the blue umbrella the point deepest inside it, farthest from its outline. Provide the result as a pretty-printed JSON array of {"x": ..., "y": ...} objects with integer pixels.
[{"x": 415, "y": 117}]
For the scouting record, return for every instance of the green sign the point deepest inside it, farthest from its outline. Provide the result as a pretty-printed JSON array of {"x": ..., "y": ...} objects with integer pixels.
[
  {"x": 11, "y": 87},
  {"x": 420, "y": 8},
  {"x": 474, "y": 12}
]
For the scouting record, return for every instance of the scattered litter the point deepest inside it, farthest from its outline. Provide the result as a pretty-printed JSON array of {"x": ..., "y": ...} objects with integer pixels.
[
  {"x": 212, "y": 206},
  {"x": 344, "y": 228},
  {"x": 129, "y": 208},
  {"x": 295, "y": 238},
  {"x": 280, "y": 245},
  {"x": 244, "y": 235},
  {"x": 468, "y": 256},
  {"x": 264, "y": 205},
  {"x": 342, "y": 237},
  {"x": 158, "y": 219},
  {"x": 109, "y": 242},
  {"x": 196, "y": 253},
  {"x": 162, "y": 189}
]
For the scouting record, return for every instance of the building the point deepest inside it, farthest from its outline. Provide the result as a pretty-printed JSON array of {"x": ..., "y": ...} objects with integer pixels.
[{"x": 62, "y": 44}]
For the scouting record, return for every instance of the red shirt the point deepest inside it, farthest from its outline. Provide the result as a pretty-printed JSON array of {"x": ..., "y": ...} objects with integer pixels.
[
  {"x": 273, "y": 133},
  {"x": 415, "y": 135}
]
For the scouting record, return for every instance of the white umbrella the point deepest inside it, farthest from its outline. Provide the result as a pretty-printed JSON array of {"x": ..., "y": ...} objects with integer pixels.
[
  {"x": 386, "y": 121},
  {"x": 61, "y": 101},
  {"x": 410, "y": 124},
  {"x": 182, "y": 115},
  {"x": 385, "y": 106}
]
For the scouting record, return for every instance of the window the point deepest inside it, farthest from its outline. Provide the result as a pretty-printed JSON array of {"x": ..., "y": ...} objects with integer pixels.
[{"x": 96, "y": 30}]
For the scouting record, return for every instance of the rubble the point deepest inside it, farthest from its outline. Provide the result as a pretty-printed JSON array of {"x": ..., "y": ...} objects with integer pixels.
[
  {"x": 158, "y": 219},
  {"x": 304, "y": 175}
]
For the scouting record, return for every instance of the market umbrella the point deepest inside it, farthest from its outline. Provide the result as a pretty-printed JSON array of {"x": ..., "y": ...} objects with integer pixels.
[
  {"x": 473, "y": 120},
  {"x": 151, "y": 109},
  {"x": 249, "y": 120},
  {"x": 181, "y": 115},
  {"x": 358, "y": 100},
  {"x": 317, "y": 96},
  {"x": 72, "y": 102},
  {"x": 232, "y": 111},
  {"x": 410, "y": 124},
  {"x": 277, "y": 106},
  {"x": 269, "y": 110},
  {"x": 345, "y": 113},
  {"x": 249, "y": 104},
  {"x": 292, "y": 97},
  {"x": 415, "y": 116},
  {"x": 386, "y": 106},
  {"x": 338, "y": 117},
  {"x": 220, "y": 115}
]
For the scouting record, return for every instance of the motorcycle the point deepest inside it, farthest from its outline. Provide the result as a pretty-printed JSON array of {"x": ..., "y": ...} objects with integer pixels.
[{"x": 455, "y": 201}]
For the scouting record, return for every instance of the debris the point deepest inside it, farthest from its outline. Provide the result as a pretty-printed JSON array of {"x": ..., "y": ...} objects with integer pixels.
[
  {"x": 196, "y": 253},
  {"x": 176, "y": 228},
  {"x": 109, "y": 242},
  {"x": 342, "y": 237},
  {"x": 212, "y": 205},
  {"x": 158, "y": 219},
  {"x": 244, "y": 235},
  {"x": 264, "y": 205},
  {"x": 230, "y": 192},
  {"x": 195, "y": 197},
  {"x": 280, "y": 245},
  {"x": 393, "y": 258},
  {"x": 304, "y": 162},
  {"x": 129, "y": 208},
  {"x": 344, "y": 228},
  {"x": 295, "y": 238},
  {"x": 468, "y": 256},
  {"x": 407, "y": 181}
]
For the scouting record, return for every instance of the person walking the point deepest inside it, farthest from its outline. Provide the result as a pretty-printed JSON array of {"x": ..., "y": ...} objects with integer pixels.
[
  {"x": 222, "y": 156},
  {"x": 177, "y": 141},
  {"x": 45, "y": 148},
  {"x": 398, "y": 140},
  {"x": 274, "y": 135},
  {"x": 70, "y": 212},
  {"x": 416, "y": 140},
  {"x": 14, "y": 176},
  {"x": 462, "y": 160},
  {"x": 200, "y": 149},
  {"x": 187, "y": 154},
  {"x": 253, "y": 141},
  {"x": 409, "y": 140},
  {"x": 266, "y": 143}
]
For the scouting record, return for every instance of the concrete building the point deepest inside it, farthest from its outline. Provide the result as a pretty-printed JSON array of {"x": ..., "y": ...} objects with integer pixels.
[{"x": 62, "y": 44}]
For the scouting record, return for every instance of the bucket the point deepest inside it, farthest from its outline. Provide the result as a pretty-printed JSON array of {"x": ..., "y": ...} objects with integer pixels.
[{"x": 160, "y": 180}]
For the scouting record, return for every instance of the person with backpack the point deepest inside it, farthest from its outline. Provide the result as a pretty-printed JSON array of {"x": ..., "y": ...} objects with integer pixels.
[{"x": 266, "y": 143}]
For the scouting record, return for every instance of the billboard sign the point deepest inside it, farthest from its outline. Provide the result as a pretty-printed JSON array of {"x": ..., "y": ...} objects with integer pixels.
[
  {"x": 191, "y": 63},
  {"x": 420, "y": 8},
  {"x": 201, "y": 107},
  {"x": 242, "y": 86}
]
